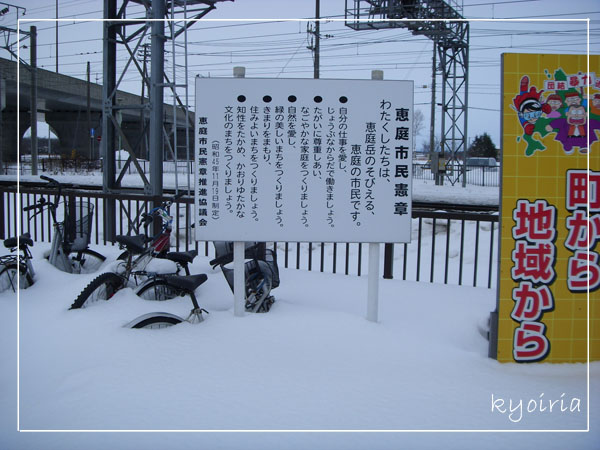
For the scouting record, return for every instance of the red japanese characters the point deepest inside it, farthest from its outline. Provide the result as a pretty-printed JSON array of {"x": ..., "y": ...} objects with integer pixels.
[
  {"x": 583, "y": 188},
  {"x": 534, "y": 258}
]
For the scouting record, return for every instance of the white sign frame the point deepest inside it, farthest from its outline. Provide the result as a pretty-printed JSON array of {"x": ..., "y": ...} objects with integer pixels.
[{"x": 296, "y": 144}]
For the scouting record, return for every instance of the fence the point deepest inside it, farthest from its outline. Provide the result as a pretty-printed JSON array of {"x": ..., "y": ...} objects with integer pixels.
[
  {"x": 476, "y": 175},
  {"x": 82, "y": 165},
  {"x": 53, "y": 165},
  {"x": 450, "y": 247}
]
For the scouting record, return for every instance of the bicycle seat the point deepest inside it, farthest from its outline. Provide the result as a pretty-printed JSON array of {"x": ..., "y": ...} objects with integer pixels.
[
  {"x": 187, "y": 283},
  {"x": 24, "y": 238},
  {"x": 135, "y": 244},
  {"x": 182, "y": 257}
]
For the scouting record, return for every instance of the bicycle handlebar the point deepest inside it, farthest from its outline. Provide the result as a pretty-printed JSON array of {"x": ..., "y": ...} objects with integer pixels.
[
  {"x": 42, "y": 203},
  {"x": 168, "y": 202},
  {"x": 165, "y": 206},
  {"x": 53, "y": 182},
  {"x": 49, "y": 180}
]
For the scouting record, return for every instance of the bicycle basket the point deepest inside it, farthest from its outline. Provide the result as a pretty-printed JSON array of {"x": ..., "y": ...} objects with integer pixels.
[{"x": 77, "y": 226}]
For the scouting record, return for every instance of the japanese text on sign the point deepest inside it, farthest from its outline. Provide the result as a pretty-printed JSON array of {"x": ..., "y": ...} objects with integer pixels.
[
  {"x": 534, "y": 259},
  {"x": 303, "y": 160}
]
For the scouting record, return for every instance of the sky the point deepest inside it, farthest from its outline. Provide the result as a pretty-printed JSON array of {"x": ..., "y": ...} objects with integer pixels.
[{"x": 279, "y": 49}]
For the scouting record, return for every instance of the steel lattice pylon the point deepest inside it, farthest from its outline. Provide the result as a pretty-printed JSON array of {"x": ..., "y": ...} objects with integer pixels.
[
  {"x": 142, "y": 36},
  {"x": 433, "y": 19}
]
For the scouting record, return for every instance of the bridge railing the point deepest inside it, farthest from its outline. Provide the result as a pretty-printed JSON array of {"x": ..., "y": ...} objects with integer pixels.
[{"x": 449, "y": 247}]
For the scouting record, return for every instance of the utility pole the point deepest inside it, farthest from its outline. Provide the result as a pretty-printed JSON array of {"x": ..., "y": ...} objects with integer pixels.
[
  {"x": 107, "y": 144},
  {"x": 144, "y": 143},
  {"x": 33, "y": 63},
  {"x": 317, "y": 38},
  {"x": 89, "y": 113},
  {"x": 56, "y": 26},
  {"x": 439, "y": 179},
  {"x": 157, "y": 76},
  {"x": 2, "y": 105}
]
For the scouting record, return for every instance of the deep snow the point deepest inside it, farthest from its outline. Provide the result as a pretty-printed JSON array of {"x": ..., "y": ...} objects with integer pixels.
[{"x": 312, "y": 363}]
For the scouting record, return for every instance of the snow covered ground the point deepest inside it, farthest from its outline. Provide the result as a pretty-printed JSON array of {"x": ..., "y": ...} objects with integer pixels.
[{"x": 312, "y": 363}]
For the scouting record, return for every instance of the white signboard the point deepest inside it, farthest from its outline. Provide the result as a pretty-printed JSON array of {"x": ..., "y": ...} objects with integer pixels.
[{"x": 303, "y": 160}]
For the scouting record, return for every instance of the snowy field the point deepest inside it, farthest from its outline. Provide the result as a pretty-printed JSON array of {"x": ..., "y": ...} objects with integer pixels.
[
  {"x": 423, "y": 190},
  {"x": 312, "y": 363}
]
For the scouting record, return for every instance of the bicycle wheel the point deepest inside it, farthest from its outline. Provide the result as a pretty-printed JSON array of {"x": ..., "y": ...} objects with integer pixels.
[
  {"x": 260, "y": 287},
  {"x": 155, "y": 320},
  {"x": 157, "y": 289},
  {"x": 86, "y": 261},
  {"x": 8, "y": 277},
  {"x": 103, "y": 287}
]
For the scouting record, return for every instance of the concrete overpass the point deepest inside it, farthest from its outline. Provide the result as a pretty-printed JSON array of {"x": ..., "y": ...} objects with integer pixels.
[{"x": 63, "y": 100}]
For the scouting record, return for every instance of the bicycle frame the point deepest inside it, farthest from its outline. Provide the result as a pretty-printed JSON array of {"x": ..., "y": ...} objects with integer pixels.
[
  {"x": 158, "y": 243},
  {"x": 59, "y": 255}
]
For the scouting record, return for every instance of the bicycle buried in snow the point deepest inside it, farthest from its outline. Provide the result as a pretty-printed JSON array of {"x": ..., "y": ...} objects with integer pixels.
[
  {"x": 69, "y": 249},
  {"x": 261, "y": 273},
  {"x": 132, "y": 270},
  {"x": 261, "y": 276},
  {"x": 68, "y": 252},
  {"x": 16, "y": 270}
]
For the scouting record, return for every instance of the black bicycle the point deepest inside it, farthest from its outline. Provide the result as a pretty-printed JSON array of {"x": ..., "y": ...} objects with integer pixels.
[
  {"x": 132, "y": 270},
  {"x": 17, "y": 269},
  {"x": 184, "y": 286},
  {"x": 261, "y": 272}
]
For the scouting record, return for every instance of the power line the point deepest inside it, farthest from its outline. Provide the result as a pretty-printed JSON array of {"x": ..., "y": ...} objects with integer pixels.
[
  {"x": 269, "y": 49},
  {"x": 501, "y": 3}
]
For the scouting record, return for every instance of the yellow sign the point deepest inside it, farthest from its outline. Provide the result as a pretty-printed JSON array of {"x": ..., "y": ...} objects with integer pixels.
[{"x": 550, "y": 259}]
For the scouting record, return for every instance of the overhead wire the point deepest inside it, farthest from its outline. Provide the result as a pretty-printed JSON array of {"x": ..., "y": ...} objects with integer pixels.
[{"x": 275, "y": 49}]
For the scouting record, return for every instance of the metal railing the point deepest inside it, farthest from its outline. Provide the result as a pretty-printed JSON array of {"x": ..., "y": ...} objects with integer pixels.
[
  {"x": 84, "y": 165},
  {"x": 476, "y": 175},
  {"x": 449, "y": 247}
]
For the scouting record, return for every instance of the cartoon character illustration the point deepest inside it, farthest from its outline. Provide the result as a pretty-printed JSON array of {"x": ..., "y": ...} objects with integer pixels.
[
  {"x": 572, "y": 99},
  {"x": 572, "y": 130},
  {"x": 555, "y": 103},
  {"x": 577, "y": 119},
  {"x": 595, "y": 108},
  {"x": 528, "y": 106}
]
